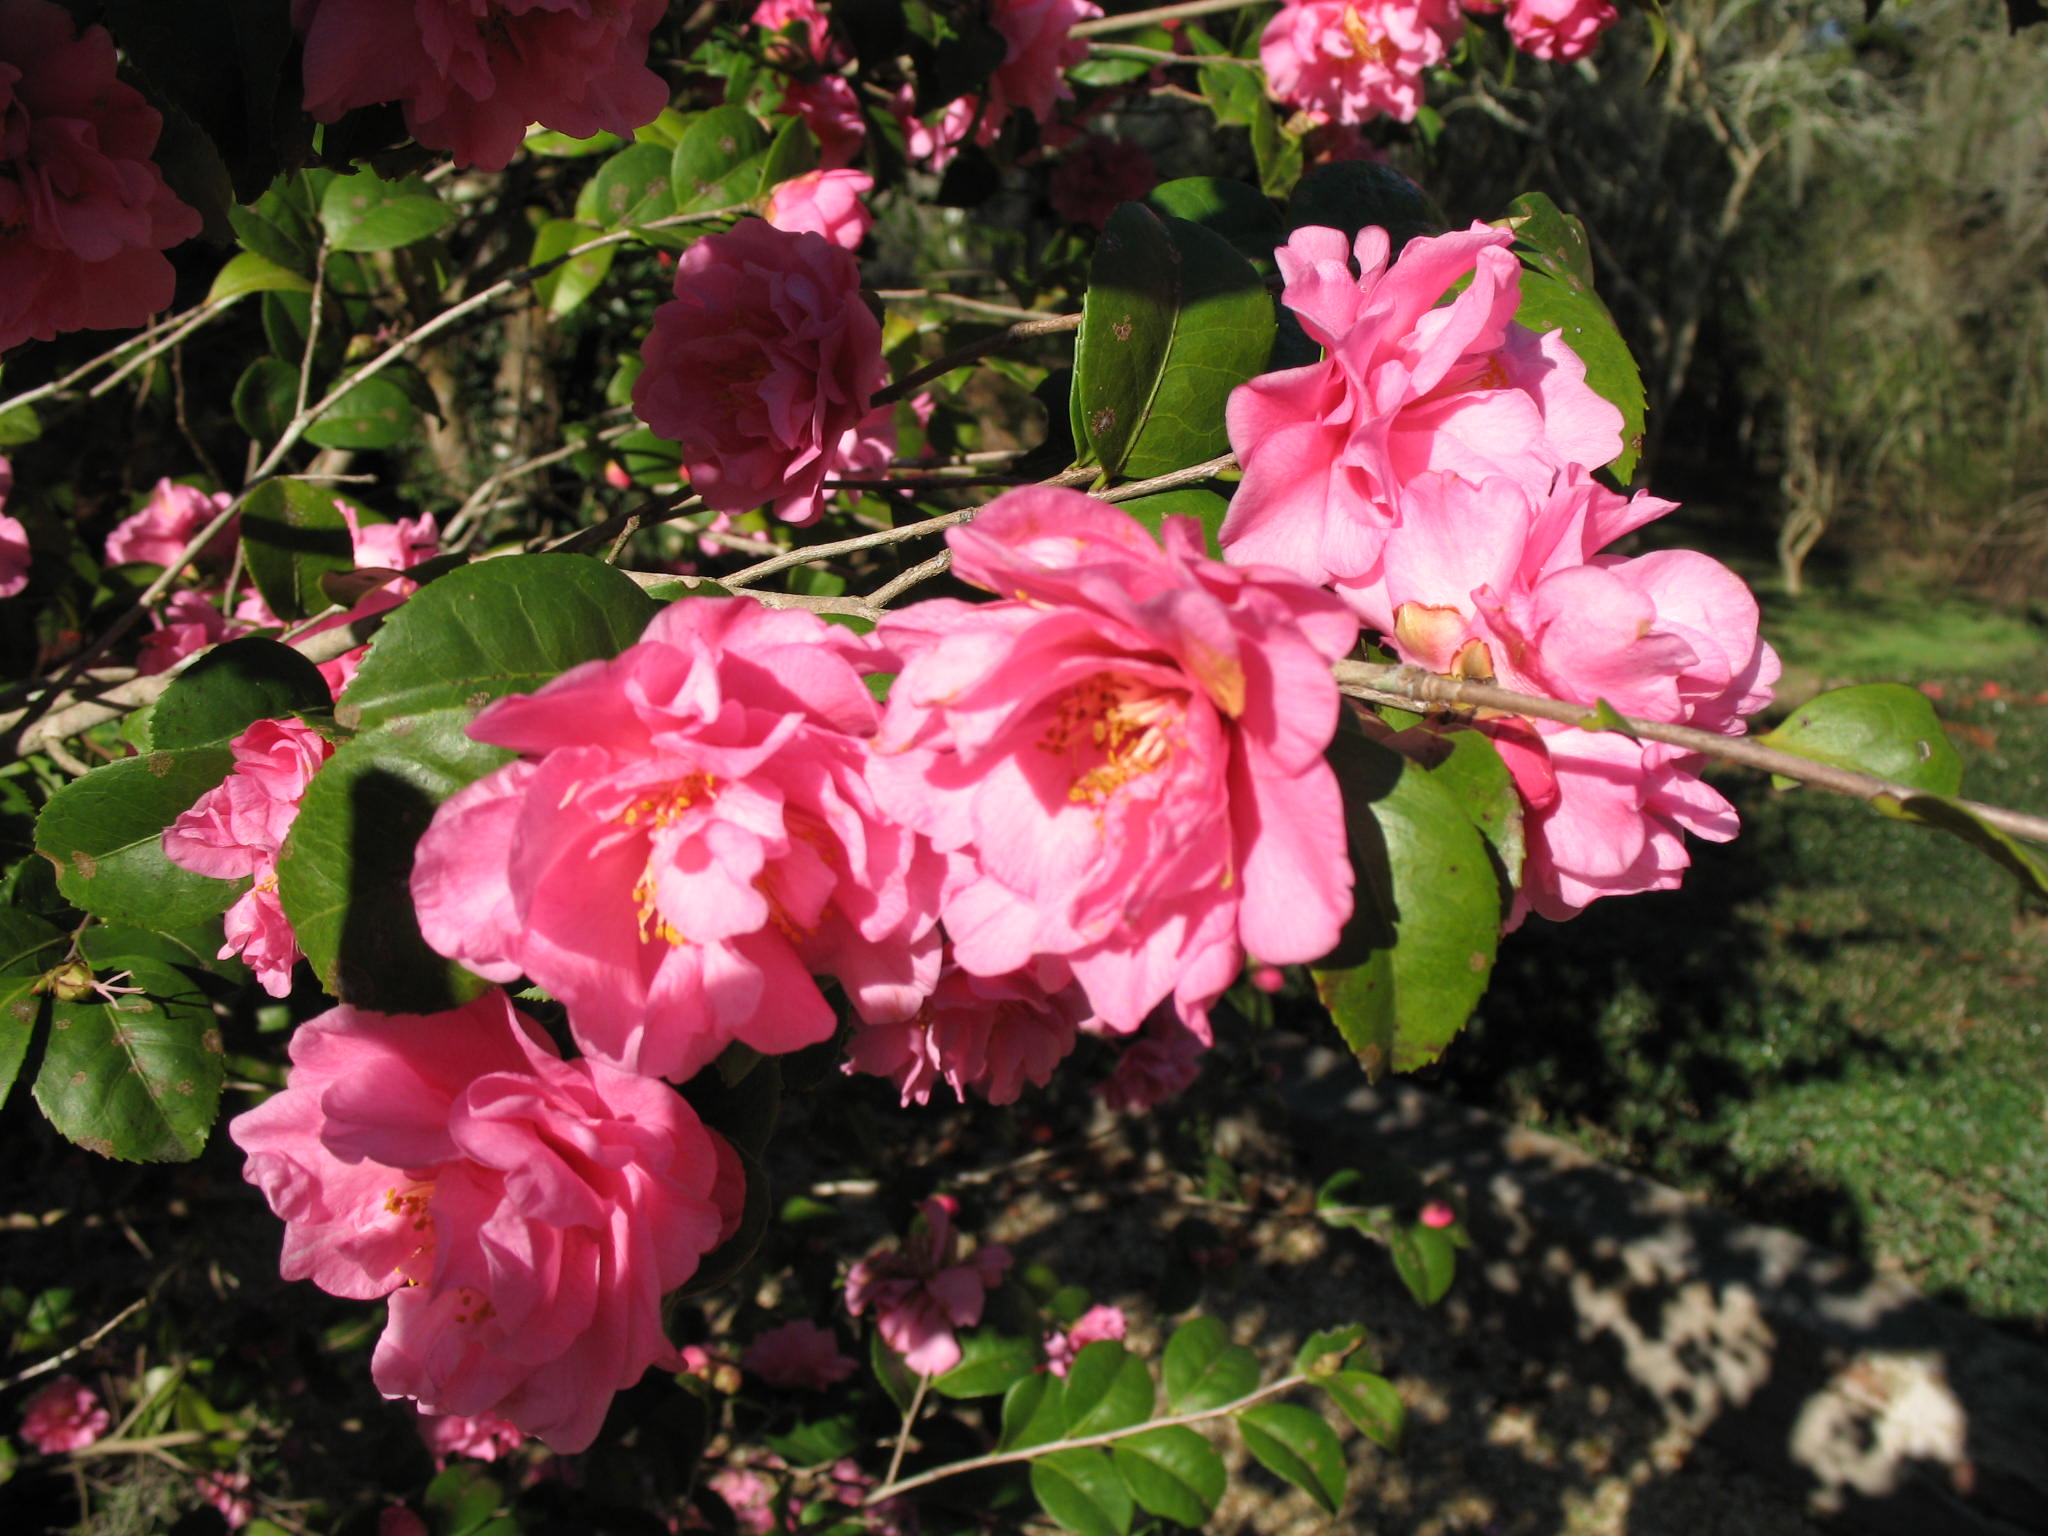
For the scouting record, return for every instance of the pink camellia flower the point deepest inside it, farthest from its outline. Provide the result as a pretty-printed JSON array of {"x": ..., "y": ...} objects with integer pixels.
[
  {"x": 760, "y": 366},
  {"x": 227, "y": 1492},
  {"x": 1160, "y": 1064},
  {"x": 390, "y": 547},
  {"x": 1039, "y": 53},
  {"x": 159, "y": 532},
  {"x": 990, "y": 1033},
  {"x": 1559, "y": 29},
  {"x": 474, "y": 75},
  {"x": 85, "y": 216},
  {"x": 15, "y": 555},
  {"x": 1101, "y": 173},
  {"x": 524, "y": 1214},
  {"x": 800, "y": 1355},
  {"x": 1094, "y": 1326},
  {"x": 801, "y": 43},
  {"x": 186, "y": 623},
  {"x": 825, "y": 203},
  {"x": 1483, "y": 581},
  {"x": 920, "y": 1292},
  {"x": 479, "y": 1436},
  {"x": 688, "y": 838},
  {"x": 1410, "y": 385},
  {"x": 1124, "y": 753},
  {"x": 1437, "y": 1215},
  {"x": 1349, "y": 61},
  {"x": 67, "y": 1415},
  {"x": 236, "y": 831}
]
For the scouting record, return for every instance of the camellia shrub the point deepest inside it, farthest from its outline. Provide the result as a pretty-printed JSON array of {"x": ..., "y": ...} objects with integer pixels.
[{"x": 947, "y": 593}]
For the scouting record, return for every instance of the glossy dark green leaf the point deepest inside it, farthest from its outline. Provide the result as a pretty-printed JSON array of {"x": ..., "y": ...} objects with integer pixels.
[
  {"x": 194, "y": 950},
  {"x": 231, "y": 687},
  {"x": 1173, "y": 1473},
  {"x": 247, "y": 272},
  {"x": 1293, "y": 1443},
  {"x": 1173, "y": 320},
  {"x": 792, "y": 152},
  {"x": 1203, "y": 1369},
  {"x": 1084, "y": 1492},
  {"x": 718, "y": 160},
  {"x": 1886, "y": 729},
  {"x": 264, "y": 398},
  {"x": 1470, "y": 766},
  {"x": 293, "y": 533},
  {"x": 1324, "y": 1353},
  {"x": 28, "y": 948},
  {"x": 1206, "y": 507},
  {"x": 991, "y": 1362},
  {"x": 1107, "y": 1388},
  {"x": 1350, "y": 195},
  {"x": 104, "y": 833},
  {"x": 377, "y": 413},
  {"x": 364, "y": 213},
  {"x": 1371, "y": 1403},
  {"x": 1031, "y": 1411},
  {"x": 493, "y": 628},
  {"x": 1237, "y": 211},
  {"x": 1426, "y": 1259},
  {"x": 136, "y": 1076},
  {"x": 345, "y": 871},
  {"x": 576, "y": 279},
  {"x": 1415, "y": 958},
  {"x": 817, "y": 1442},
  {"x": 2025, "y": 864},
  {"x": 632, "y": 187}
]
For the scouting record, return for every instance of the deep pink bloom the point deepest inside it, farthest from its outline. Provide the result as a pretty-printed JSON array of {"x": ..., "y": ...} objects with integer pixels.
[
  {"x": 227, "y": 1492},
  {"x": 801, "y": 43},
  {"x": 473, "y": 74},
  {"x": 1410, "y": 385},
  {"x": 922, "y": 1291},
  {"x": 1088, "y": 184},
  {"x": 760, "y": 366},
  {"x": 479, "y": 1436},
  {"x": 394, "y": 546},
  {"x": 1125, "y": 753},
  {"x": 1437, "y": 1215},
  {"x": 165, "y": 525},
  {"x": 235, "y": 831},
  {"x": 1039, "y": 53},
  {"x": 1094, "y": 1326},
  {"x": 1160, "y": 1064},
  {"x": 1559, "y": 29},
  {"x": 688, "y": 839},
  {"x": 826, "y": 203},
  {"x": 525, "y": 1215},
  {"x": 1485, "y": 581},
  {"x": 990, "y": 1033},
  {"x": 800, "y": 1355},
  {"x": 15, "y": 555},
  {"x": 186, "y": 623},
  {"x": 397, "y": 1520},
  {"x": 67, "y": 1415},
  {"x": 1349, "y": 61},
  {"x": 85, "y": 216}
]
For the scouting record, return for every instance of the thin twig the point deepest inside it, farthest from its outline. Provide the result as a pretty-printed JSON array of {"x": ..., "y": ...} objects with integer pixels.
[
  {"x": 1130, "y": 21},
  {"x": 312, "y": 328},
  {"x": 960, "y": 357},
  {"x": 106, "y": 358},
  {"x": 203, "y": 315},
  {"x": 918, "y": 574},
  {"x": 77, "y": 1349},
  {"x": 909, "y": 1422},
  {"x": 960, "y": 300}
]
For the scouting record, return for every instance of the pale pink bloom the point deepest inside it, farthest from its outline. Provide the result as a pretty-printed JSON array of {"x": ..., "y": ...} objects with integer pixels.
[
  {"x": 936, "y": 144},
  {"x": 801, "y": 43},
  {"x": 186, "y": 623},
  {"x": 1350, "y": 61},
  {"x": 85, "y": 216},
  {"x": 236, "y": 831},
  {"x": 479, "y": 1436},
  {"x": 525, "y": 1215},
  {"x": 1160, "y": 1064},
  {"x": 1559, "y": 29},
  {"x": 750, "y": 1495},
  {"x": 1486, "y": 581},
  {"x": 989, "y": 1033},
  {"x": 1088, "y": 184},
  {"x": 1409, "y": 385},
  {"x": 760, "y": 366},
  {"x": 15, "y": 555},
  {"x": 475, "y": 74},
  {"x": 1124, "y": 754},
  {"x": 831, "y": 110},
  {"x": 825, "y": 203},
  {"x": 687, "y": 839},
  {"x": 227, "y": 1492},
  {"x": 800, "y": 1355},
  {"x": 1094, "y": 1326},
  {"x": 923, "y": 1290},
  {"x": 159, "y": 532},
  {"x": 67, "y": 1415}
]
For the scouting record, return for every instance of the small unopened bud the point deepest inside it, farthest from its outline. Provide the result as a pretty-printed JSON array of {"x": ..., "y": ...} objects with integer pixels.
[
  {"x": 1268, "y": 978},
  {"x": 68, "y": 982},
  {"x": 616, "y": 477},
  {"x": 1437, "y": 1214}
]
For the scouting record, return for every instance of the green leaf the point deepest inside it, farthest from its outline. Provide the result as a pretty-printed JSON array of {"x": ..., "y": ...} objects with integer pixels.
[
  {"x": 1203, "y": 1369},
  {"x": 363, "y": 213},
  {"x": 104, "y": 833},
  {"x": 1083, "y": 1491},
  {"x": 194, "y": 950},
  {"x": 1469, "y": 765},
  {"x": 377, "y": 413},
  {"x": 1241, "y": 214},
  {"x": 1550, "y": 240},
  {"x": 1351, "y": 195},
  {"x": 1031, "y": 1411},
  {"x": 816, "y": 1442},
  {"x": 1205, "y": 506},
  {"x": 632, "y": 187},
  {"x": 19, "y": 425},
  {"x": 2026, "y": 866},
  {"x": 1371, "y": 1403},
  {"x": 792, "y": 152},
  {"x": 28, "y": 948},
  {"x": 1173, "y": 320},
  {"x": 292, "y": 535},
  {"x": 247, "y": 272},
  {"x": 1277, "y": 152},
  {"x": 1886, "y": 729},
  {"x": 718, "y": 160},
  {"x": 990, "y": 1363},
  {"x": 493, "y": 628},
  {"x": 1415, "y": 957},
  {"x": 575, "y": 279},
  {"x": 231, "y": 687},
  {"x": 1293, "y": 1443},
  {"x": 138, "y": 1077},
  {"x": 1107, "y": 1388},
  {"x": 264, "y": 397},
  {"x": 897, "y": 1380},
  {"x": 344, "y": 875},
  {"x": 1173, "y": 1472},
  {"x": 1323, "y": 1354},
  {"x": 1234, "y": 92},
  {"x": 1426, "y": 1259}
]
